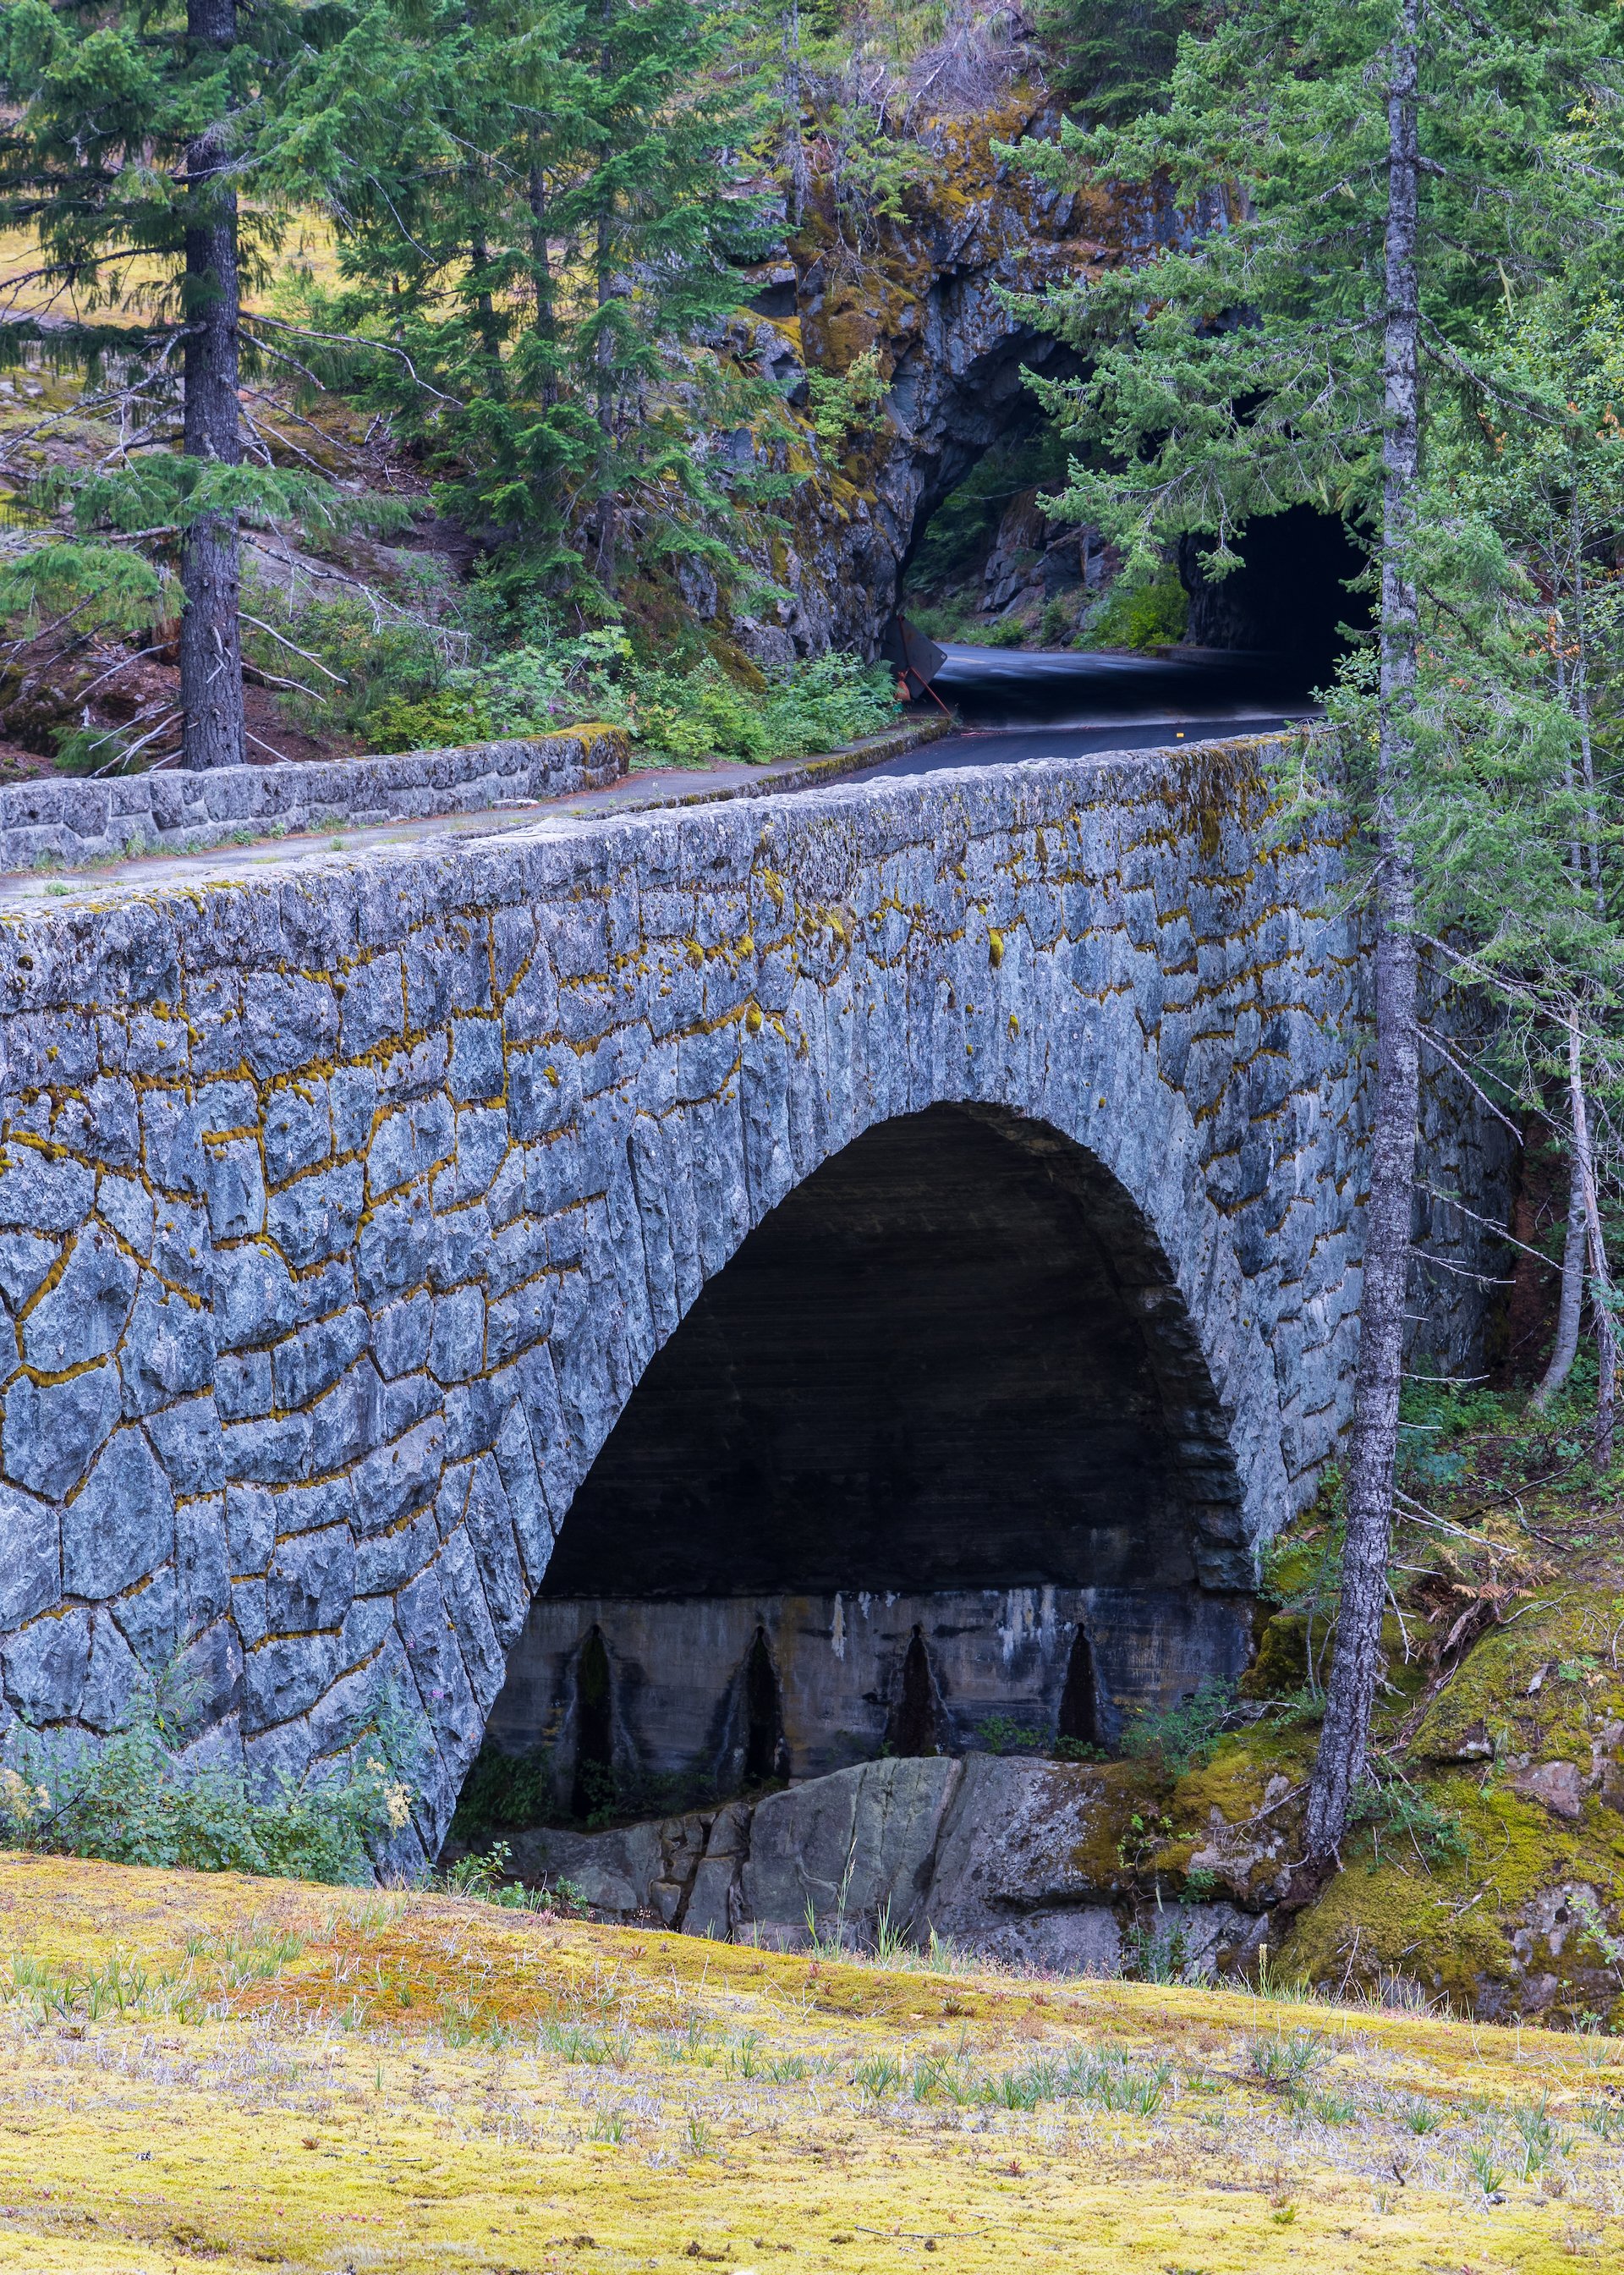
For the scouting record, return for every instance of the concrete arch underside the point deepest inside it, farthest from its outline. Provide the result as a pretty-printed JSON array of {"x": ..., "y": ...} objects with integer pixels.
[{"x": 341, "y": 1214}]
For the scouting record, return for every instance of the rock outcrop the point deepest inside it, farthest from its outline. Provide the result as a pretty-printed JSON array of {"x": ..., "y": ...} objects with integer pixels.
[
  {"x": 1017, "y": 1858},
  {"x": 925, "y": 294}
]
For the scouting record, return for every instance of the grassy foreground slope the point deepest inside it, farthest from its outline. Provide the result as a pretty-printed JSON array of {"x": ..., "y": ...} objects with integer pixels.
[{"x": 254, "y": 2073}]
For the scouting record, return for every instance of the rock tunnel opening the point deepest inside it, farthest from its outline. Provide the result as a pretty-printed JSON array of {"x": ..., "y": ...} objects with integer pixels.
[
  {"x": 986, "y": 566},
  {"x": 925, "y": 1459},
  {"x": 1289, "y": 599}
]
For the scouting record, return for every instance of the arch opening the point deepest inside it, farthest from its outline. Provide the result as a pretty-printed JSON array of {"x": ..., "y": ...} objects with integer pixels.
[
  {"x": 591, "y": 1790},
  {"x": 1024, "y": 605},
  {"x": 1078, "y": 1719},
  {"x": 1289, "y": 598},
  {"x": 914, "y": 1727},
  {"x": 764, "y": 1718},
  {"x": 925, "y": 1461}
]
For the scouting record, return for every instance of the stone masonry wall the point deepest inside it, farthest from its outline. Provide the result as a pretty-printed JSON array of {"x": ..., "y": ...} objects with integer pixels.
[
  {"x": 174, "y": 811},
  {"x": 341, "y": 1206}
]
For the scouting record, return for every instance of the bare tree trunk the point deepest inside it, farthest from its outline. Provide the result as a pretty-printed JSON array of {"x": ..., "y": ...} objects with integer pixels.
[
  {"x": 486, "y": 319},
  {"x": 1340, "y": 1765},
  {"x": 1570, "y": 1308},
  {"x": 1584, "y": 1151},
  {"x": 795, "y": 149},
  {"x": 1581, "y": 861},
  {"x": 211, "y": 657},
  {"x": 545, "y": 323},
  {"x": 1601, "y": 1279},
  {"x": 607, "y": 404}
]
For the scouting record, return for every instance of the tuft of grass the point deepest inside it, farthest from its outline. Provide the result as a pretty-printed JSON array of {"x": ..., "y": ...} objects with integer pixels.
[
  {"x": 1419, "y": 2117},
  {"x": 1490, "y": 2177},
  {"x": 1025, "y": 2088},
  {"x": 1114, "y": 2081},
  {"x": 1288, "y": 2058},
  {"x": 1328, "y": 2108},
  {"x": 880, "y": 2075}
]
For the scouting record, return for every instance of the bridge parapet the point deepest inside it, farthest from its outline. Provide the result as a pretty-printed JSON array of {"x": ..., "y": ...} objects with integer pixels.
[{"x": 342, "y": 1207}]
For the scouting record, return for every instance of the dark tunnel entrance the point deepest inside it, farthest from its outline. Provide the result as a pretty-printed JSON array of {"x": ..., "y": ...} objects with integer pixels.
[
  {"x": 923, "y": 1459},
  {"x": 1288, "y": 600},
  {"x": 1039, "y": 626}
]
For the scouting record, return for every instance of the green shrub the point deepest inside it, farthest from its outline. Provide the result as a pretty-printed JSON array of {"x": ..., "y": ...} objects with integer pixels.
[
  {"x": 1076, "y": 1749},
  {"x": 1180, "y": 1737},
  {"x": 91, "y": 750},
  {"x": 816, "y": 706},
  {"x": 132, "y": 1802},
  {"x": 403, "y": 683},
  {"x": 1057, "y": 622},
  {"x": 1145, "y": 615},
  {"x": 488, "y": 1879},
  {"x": 701, "y": 714},
  {"x": 1157, "y": 1951},
  {"x": 352, "y": 660},
  {"x": 845, "y": 403},
  {"x": 533, "y": 689},
  {"x": 395, "y": 685},
  {"x": 1405, "y": 1815},
  {"x": 1002, "y": 1733},
  {"x": 976, "y": 631}
]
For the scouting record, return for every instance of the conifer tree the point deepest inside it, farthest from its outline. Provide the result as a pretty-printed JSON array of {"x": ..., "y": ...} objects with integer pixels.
[
  {"x": 128, "y": 138},
  {"x": 1523, "y": 629},
  {"x": 537, "y": 211},
  {"x": 1354, "y": 182}
]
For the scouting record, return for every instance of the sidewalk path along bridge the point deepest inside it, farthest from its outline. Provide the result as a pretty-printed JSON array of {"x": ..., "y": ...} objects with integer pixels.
[{"x": 345, "y": 1201}]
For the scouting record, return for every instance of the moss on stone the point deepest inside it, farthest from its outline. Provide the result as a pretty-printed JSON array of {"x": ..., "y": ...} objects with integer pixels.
[
  {"x": 1493, "y": 1930},
  {"x": 1281, "y": 1664}
]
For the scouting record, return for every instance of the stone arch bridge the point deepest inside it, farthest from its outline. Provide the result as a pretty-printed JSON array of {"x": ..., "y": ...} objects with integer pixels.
[{"x": 345, "y": 1205}]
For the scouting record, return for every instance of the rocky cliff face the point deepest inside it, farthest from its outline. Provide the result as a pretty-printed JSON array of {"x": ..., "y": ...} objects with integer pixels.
[{"x": 925, "y": 295}]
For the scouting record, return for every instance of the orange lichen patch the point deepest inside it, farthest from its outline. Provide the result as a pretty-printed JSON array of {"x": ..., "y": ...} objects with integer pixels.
[{"x": 254, "y": 2073}]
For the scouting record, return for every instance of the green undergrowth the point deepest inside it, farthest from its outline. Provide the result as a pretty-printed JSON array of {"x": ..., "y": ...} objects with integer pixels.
[
  {"x": 794, "y": 712},
  {"x": 1140, "y": 613},
  {"x": 403, "y": 682},
  {"x": 135, "y": 1800},
  {"x": 1484, "y": 1870}
]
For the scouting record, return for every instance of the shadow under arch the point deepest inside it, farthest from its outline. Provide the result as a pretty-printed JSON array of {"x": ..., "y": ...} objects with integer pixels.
[{"x": 946, "y": 1395}]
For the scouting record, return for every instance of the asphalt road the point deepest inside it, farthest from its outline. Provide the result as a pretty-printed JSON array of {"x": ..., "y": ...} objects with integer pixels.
[
  {"x": 1008, "y": 746},
  {"x": 1016, "y": 703}
]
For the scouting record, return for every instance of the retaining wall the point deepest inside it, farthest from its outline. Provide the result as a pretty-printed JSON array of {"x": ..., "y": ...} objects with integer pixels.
[{"x": 176, "y": 810}]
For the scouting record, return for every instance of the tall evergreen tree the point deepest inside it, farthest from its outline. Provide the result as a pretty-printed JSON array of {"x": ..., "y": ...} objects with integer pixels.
[
  {"x": 537, "y": 211},
  {"x": 1520, "y": 518},
  {"x": 1116, "y": 57},
  {"x": 128, "y": 136},
  {"x": 1355, "y": 181}
]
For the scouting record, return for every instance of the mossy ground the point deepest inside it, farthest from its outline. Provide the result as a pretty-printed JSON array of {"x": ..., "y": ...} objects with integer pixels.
[
  {"x": 1501, "y": 1713},
  {"x": 254, "y": 2075}
]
